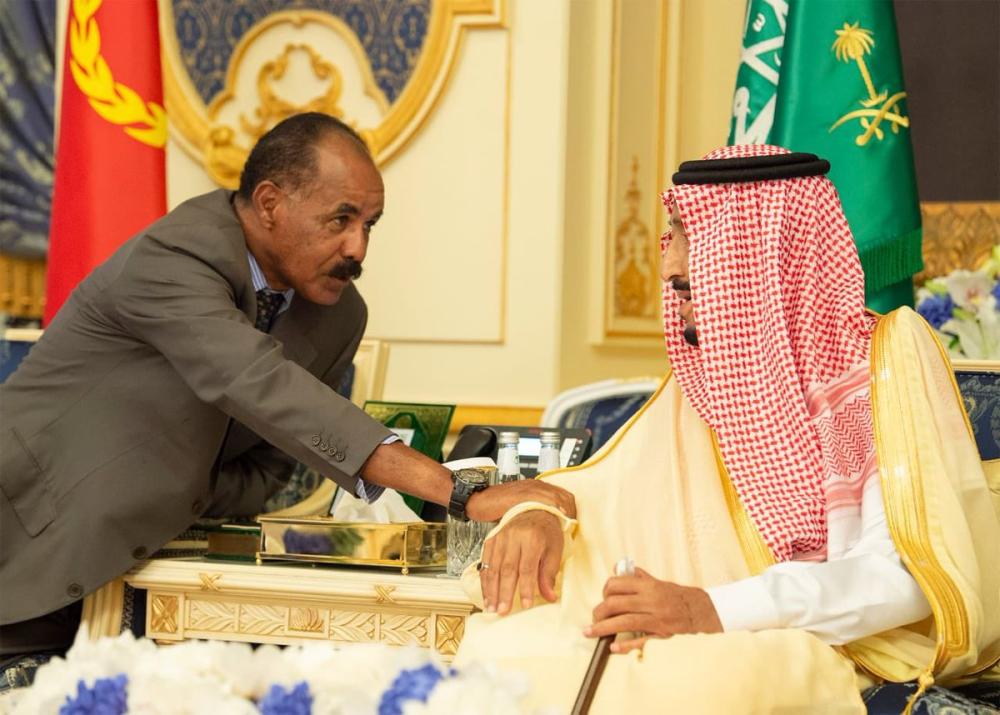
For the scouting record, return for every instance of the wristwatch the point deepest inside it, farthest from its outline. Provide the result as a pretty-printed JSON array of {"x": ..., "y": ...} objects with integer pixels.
[{"x": 465, "y": 483}]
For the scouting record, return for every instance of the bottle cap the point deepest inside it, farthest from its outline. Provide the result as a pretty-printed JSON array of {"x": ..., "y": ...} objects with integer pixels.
[
  {"x": 509, "y": 438},
  {"x": 550, "y": 438}
]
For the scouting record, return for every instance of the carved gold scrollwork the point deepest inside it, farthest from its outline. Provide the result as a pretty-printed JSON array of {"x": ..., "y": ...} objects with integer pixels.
[
  {"x": 272, "y": 108},
  {"x": 164, "y": 614},
  {"x": 22, "y": 286},
  {"x": 636, "y": 277},
  {"x": 204, "y": 138},
  {"x": 209, "y": 581},
  {"x": 224, "y": 155},
  {"x": 957, "y": 235},
  {"x": 352, "y": 626},
  {"x": 305, "y": 620},
  {"x": 261, "y": 620},
  {"x": 448, "y": 634},
  {"x": 403, "y": 629},
  {"x": 215, "y": 616},
  {"x": 383, "y": 594}
]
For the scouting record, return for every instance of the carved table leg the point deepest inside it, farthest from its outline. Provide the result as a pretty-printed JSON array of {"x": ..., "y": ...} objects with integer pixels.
[{"x": 102, "y": 610}]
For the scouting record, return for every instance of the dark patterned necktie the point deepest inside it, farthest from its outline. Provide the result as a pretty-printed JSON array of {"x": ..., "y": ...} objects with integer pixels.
[{"x": 268, "y": 305}]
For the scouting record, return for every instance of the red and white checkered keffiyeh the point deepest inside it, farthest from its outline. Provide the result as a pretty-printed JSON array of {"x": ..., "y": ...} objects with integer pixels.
[{"x": 781, "y": 370}]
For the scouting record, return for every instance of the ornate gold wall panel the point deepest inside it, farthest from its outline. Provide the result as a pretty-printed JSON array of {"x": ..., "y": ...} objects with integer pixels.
[
  {"x": 221, "y": 143},
  {"x": 637, "y": 146},
  {"x": 958, "y": 235},
  {"x": 636, "y": 260}
]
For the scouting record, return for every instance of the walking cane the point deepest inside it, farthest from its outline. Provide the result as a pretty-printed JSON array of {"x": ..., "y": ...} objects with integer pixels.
[{"x": 592, "y": 678}]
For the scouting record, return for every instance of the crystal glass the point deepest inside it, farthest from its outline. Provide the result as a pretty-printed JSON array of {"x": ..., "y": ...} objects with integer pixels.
[{"x": 465, "y": 538}]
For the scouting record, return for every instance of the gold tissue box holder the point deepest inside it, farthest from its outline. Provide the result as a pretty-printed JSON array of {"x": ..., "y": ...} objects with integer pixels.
[{"x": 319, "y": 539}]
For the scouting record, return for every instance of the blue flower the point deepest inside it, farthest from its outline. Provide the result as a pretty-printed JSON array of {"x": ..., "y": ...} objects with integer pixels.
[
  {"x": 278, "y": 701},
  {"x": 105, "y": 697},
  {"x": 412, "y": 684},
  {"x": 996, "y": 292},
  {"x": 936, "y": 309}
]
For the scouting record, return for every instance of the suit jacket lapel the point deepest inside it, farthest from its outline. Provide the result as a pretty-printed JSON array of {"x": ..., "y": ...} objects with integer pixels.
[{"x": 294, "y": 328}]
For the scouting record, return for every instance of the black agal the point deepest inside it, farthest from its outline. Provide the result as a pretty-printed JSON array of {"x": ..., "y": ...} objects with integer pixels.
[{"x": 751, "y": 168}]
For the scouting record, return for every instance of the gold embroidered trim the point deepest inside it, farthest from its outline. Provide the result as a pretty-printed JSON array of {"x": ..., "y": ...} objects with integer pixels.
[{"x": 903, "y": 493}]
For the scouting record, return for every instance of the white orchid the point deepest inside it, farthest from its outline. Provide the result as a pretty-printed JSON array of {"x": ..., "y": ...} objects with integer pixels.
[
  {"x": 969, "y": 289},
  {"x": 964, "y": 309},
  {"x": 979, "y": 338}
]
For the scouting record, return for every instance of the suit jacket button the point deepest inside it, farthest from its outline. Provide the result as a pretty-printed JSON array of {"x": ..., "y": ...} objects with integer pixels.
[
  {"x": 316, "y": 440},
  {"x": 198, "y": 508},
  {"x": 139, "y": 553},
  {"x": 332, "y": 452},
  {"x": 74, "y": 590},
  {"x": 338, "y": 457},
  {"x": 323, "y": 446}
]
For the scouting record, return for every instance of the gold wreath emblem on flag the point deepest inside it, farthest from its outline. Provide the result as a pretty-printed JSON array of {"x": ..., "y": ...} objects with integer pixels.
[
  {"x": 853, "y": 43},
  {"x": 118, "y": 104}
]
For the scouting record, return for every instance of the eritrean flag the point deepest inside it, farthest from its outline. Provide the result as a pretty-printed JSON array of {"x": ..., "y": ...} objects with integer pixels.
[{"x": 110, "y": 177}]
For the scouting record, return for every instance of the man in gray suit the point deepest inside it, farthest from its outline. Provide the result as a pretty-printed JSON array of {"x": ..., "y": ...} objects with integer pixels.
[{"x": 187, "y": 374}]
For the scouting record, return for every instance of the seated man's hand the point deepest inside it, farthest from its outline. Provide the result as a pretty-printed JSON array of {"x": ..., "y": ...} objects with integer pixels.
[
  {"x": 522, "y": 558},
  {"x": 651, "y": 608},
  {"x": 491, "y": 504}
]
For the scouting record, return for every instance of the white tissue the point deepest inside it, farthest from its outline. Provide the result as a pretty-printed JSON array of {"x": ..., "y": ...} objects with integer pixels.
[{"x": 387, "y": 509}]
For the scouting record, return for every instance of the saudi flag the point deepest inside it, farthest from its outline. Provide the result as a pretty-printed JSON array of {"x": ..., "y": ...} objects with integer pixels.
[{"x": 824, "y": 76}]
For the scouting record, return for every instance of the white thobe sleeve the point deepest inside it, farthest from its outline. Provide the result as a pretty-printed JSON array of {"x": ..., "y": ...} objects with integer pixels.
[{"x": 864, "y": 591}]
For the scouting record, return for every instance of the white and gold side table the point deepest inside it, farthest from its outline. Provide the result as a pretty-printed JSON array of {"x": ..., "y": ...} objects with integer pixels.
[{"x": 286, "y": 604}]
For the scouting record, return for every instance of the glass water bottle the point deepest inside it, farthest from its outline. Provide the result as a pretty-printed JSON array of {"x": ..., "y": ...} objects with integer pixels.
[
  {"x": 548, "y": 453},
  {"x": 508, "y": 461}
]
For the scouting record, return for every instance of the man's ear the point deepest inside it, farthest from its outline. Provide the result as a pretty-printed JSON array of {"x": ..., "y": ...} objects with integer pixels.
[{"x": 265, "y": 198}]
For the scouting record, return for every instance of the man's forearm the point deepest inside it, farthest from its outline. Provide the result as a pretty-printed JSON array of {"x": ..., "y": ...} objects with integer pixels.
[{"x": 399, "y": 467}]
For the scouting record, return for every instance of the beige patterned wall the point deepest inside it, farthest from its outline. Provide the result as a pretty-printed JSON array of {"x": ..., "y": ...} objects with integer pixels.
[{"x": 462, "y": 277}]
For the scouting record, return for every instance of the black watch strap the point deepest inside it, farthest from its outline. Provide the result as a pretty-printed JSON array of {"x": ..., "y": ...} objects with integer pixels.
[{"x": 465, "y": 483}]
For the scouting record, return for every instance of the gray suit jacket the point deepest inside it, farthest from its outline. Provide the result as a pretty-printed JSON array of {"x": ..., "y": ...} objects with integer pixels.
[{"x": 151, "y": 400}]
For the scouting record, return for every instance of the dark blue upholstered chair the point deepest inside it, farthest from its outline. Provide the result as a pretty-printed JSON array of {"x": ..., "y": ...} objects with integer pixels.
[
  {"x": 14, "y": 347},
  {"x": 602, "y": 407},
  {"x": 979, "y": 383}
]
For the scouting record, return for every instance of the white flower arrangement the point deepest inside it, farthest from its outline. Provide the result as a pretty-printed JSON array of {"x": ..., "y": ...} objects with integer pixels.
[
  {"x": 128, "y": 675},
  {"x": 964, "y": 309}
]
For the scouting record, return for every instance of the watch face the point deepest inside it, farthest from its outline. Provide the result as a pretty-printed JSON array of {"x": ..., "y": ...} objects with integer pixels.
[{"x": 471, "y": 475}]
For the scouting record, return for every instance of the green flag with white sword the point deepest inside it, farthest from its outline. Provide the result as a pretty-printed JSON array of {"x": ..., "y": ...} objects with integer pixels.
[{"x": 824, "y": 76}]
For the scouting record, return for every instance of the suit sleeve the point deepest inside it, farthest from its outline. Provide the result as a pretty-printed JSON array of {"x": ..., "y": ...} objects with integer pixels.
[
  {"x": 186, "y": 310},
  {"x": 247, "y": 480}
]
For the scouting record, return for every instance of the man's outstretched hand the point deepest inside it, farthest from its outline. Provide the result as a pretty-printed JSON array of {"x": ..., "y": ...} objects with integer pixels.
[
  {"x": 651, "y": 608},
  {"x": 491, "y": 504},
  {"x": 522, "y": 559}
]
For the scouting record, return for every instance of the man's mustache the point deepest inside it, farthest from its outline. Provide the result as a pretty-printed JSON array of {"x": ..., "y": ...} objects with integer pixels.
[
  {"x": 346, "y": 269},
  {"x": 680, "y": 285}
]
